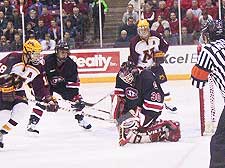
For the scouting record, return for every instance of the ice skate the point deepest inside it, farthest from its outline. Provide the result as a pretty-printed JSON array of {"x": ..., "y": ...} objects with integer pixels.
[
  {"x": 82, "y": 122},
  {"x": 32, "y": 130},
  {"x": 31, "y": 127},
  {"x": 1, "y": 140}
]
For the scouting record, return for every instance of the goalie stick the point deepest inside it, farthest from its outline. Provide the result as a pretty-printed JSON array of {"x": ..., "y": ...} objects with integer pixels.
[{"x": 70, "y": 110}]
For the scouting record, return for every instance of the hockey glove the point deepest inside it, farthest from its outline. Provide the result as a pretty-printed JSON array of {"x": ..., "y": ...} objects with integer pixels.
[
  {"x": 52, "y": 104},
  {"x": 78, "y": 103},
  {"x": 8, "y": 94},
  {"x": 158, "y": 57},
  {"x": 7, "y": 87}
]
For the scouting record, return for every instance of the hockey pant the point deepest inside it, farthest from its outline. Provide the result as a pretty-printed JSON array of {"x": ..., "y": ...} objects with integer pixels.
[
  {"x": 217, "y": 144},
  {"x": 14, "y": 111},
  {"x": 17, "y": 114}
]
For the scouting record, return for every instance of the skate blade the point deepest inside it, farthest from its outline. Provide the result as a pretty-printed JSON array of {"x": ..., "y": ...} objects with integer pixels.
[
  {"x": 32, "y": 134},
  {"x": 1, "y": 145}
]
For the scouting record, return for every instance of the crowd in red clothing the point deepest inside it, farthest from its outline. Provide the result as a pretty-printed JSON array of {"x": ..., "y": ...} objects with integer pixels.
[
  {"x": 42, "y": 21},
  {"x": 163, "y": 16}
]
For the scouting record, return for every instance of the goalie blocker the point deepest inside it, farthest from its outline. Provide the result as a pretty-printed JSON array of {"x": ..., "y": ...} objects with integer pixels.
[{"x": 137, "y": 103}]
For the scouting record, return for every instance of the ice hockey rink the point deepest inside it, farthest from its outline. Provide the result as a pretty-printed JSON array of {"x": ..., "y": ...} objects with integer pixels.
[{"x": 63, "y": 144}]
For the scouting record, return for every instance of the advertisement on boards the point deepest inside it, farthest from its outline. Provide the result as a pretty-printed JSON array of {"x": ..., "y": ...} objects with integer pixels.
[
  {"x": 105, "y": 63},
  {"x": 97, "y": 62}
]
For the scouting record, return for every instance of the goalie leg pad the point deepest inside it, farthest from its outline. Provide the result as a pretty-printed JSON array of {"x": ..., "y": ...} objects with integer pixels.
[
  {"x": 164, "y": 131},
  {"x": 173, "y": 133},
  {"x": 117, "y": 106},
  {"x": 160, "y": 131},
  {"x": 126, "y": 129}
]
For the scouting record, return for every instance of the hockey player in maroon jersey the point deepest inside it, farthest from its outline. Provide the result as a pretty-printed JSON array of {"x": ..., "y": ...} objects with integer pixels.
[
  {"x": 137, "y": 104},
  {"x": 17, "y": 69},
  {"x": 147, "y": 50},
  {"x": 62, "y": 75}
]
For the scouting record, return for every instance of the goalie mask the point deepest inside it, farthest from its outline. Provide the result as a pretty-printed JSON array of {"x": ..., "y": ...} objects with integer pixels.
[
  {"x": 62, "y": 51},
  {"x": 143, "y": 28},
  {"x": 32, "y": 52},
  {"x": 128, "y": 72},
  {"x": 213, "y": 30}
]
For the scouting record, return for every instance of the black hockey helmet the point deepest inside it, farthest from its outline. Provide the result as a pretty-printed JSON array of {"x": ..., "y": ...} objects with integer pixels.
[
  {"x": 128, "y": 72},
  {"x": 62, "y": 45},
  {"x": 214, "y": 30},
  {"x": 62, "y": 51}
]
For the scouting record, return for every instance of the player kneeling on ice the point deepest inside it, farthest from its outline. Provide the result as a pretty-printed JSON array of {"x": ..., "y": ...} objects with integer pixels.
[
  {"x": 17, "y": 69},
  {"x": 62, "y": 77},
  {"x": 137, "y": 104}
]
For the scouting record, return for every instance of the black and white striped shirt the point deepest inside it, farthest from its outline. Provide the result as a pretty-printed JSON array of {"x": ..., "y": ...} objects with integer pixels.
[{"x": 211, "y": 60}]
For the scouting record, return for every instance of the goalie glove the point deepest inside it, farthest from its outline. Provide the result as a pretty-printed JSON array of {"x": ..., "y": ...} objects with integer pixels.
[{"x": 78, "y": 104}]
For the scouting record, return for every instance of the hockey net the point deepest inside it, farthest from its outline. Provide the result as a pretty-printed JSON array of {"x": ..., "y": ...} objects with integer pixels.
[{"x": 211, "y": 106}]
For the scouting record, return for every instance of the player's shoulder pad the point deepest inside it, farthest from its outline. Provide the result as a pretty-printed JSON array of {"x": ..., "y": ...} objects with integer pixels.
[
  {"x": 147, "y": 74},
  {"x": 155, "y": 33},
  {"x": 134, "y": 39},
  {"x": 14, "y": 56},
  {"x": 50, "y": 57},
  {"x": 71, "y": 61},
  {"x": 207, "y": 48}
]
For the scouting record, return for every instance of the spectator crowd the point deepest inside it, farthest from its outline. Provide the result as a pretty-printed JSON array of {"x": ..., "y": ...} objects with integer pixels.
[
  {"x": 163, "y": 17},
  {"x": 42, "y": 22}
]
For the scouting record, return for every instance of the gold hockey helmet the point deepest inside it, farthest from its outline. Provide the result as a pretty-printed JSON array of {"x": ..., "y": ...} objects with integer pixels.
[
  {"x": 32, "y": 51},
  {"x": 143, "y": 28}
]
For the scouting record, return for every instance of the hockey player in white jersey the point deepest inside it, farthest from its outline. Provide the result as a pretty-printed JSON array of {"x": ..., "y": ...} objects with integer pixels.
[
  {"x": 17, "y": 69},
  {"x": 147, "y": 50},
  {"x": 211, "y": 61}
]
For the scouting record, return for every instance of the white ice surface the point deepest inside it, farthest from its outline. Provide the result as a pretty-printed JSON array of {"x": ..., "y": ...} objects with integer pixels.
[{"x": 63, "y": 144}]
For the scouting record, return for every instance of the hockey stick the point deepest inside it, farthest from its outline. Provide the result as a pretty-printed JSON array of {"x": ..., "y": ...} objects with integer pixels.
[
  {"x": 70, "y": 110},
  {"x": 93, "y": 104},
  {"x": 88, "y": 115},
  {"x": 91, "y": 107},
  {"x": 170, "y": 110}
]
